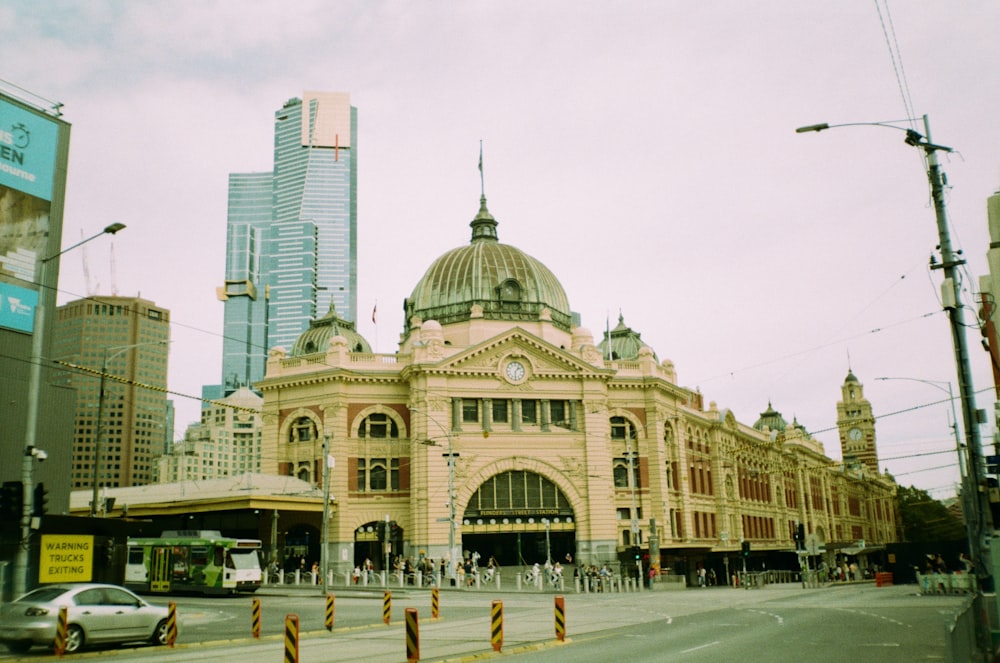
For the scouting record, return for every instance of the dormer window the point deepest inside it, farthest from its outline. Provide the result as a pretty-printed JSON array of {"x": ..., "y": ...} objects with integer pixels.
[{"x": 510, "y": 291}]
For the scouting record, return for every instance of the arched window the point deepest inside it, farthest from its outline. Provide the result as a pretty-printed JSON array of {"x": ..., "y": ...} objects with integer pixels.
[
  {"x": 378, "y": 426},
  {"x": 303, "y": 430},
  {"x": 624, "y": 435},
  {"x": 381, "y": 457}
]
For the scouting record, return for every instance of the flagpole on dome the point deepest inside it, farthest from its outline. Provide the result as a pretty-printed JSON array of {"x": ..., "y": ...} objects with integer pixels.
[
  {"x": 482, "y": 180},
  {"x": 375, "y": 322}
]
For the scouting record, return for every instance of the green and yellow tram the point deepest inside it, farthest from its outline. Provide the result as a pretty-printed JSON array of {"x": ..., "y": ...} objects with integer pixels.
[{"x": 197, "y": 561}]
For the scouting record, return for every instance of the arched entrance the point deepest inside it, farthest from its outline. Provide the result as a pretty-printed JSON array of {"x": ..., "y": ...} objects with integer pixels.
[
  {"x": 370, "y": 543},
  {"x": 519, "y": 518}
]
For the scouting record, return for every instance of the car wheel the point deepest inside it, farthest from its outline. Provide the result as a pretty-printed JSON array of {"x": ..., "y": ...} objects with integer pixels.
[
  {"x": 19, "y": 646},
  {"x": 74, "y": 638},
  {"x": 160, "y": 633}
]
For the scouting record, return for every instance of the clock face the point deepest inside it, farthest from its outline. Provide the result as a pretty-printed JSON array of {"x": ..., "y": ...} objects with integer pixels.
[
  {"x": 515, "y": 371},
  {"x": 854, "y": 434}
]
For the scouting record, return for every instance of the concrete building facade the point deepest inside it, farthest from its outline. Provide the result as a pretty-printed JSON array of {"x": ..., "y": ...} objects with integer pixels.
[
  {"x": 226, "y": 442},
  {"x": 113, "y": 352}
]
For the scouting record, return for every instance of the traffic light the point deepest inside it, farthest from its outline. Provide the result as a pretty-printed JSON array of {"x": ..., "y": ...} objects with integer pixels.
[
  {"x": 800, "y": 536},
  {"x": 41, "y": 502},
  {"x": 11, "y": 501},
  {"x": 636, "y": 552},
  {"x": 745, "y": 547}
]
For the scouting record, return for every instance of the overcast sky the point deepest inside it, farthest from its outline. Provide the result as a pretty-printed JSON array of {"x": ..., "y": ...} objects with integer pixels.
[{"x": 644, "y": 151}]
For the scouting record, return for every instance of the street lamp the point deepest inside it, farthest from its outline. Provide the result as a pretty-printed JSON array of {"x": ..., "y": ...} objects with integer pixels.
[
  {"x": 635, "y": 509},
  {"x": 329, "y": 462},
  {"x": 937, "y": 384},
  {"x": 38, "y": 339},
  {"x": 981, "y": 524},
  {"x": 100, "y": 417}
]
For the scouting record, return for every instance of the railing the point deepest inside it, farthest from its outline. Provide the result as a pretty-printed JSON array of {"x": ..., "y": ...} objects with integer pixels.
[{"x": 947, "y": 583}]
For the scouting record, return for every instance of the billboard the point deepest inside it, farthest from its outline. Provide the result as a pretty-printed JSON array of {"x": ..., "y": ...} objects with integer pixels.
[{"x": 29, "y": 179}]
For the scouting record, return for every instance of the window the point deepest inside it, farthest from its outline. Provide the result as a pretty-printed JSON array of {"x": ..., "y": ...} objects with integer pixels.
[
  {"x": 621, "y": 429},
  {"x": 303, "y": 430},
  {"x": 378, "y": 474},
  {"x": 470, "y": 410},
  {"x": 558, "y": 413},
  {"x": 620, "y": 471},
  {"x": 500, "y": 411},
  {"x": 529, "y": 412},
  {"x": 378, "y": 426}
]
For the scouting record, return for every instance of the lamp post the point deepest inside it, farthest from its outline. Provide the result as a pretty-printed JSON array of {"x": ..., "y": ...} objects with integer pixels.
[
  {"x": 635, "y": 508},
  {"x": 937, "y": 384},
  {"x": 328, "y": 464},
  {"x": 95, "y": 480},
  {"x": 38, "y": 338},
  {"x": 981, "y": 524}
]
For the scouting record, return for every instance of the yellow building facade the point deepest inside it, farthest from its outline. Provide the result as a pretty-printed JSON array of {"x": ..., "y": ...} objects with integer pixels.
[{"x": 500, "y": 427}]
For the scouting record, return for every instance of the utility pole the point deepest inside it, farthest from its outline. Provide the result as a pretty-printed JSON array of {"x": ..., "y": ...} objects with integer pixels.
[
  {"x": 951, "y": 292},
  {"x": 979, "y": 522}
]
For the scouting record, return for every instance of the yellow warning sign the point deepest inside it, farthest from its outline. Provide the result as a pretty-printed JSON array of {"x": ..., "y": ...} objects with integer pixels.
[{"x": 66, "y": 558}]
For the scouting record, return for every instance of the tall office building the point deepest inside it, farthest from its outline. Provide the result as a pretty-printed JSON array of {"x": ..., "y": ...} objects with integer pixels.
[
  {"x": 291, "y": 244},
  {"x": 125, "y": 424}
]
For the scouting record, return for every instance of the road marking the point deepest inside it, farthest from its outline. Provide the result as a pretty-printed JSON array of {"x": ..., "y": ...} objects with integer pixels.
[{"x": 710, "y": 644}]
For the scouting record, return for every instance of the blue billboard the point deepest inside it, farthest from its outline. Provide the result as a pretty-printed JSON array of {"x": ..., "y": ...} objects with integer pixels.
[
  {"x": 28, "y": 143},
  {"x": 17, "y": 307}
]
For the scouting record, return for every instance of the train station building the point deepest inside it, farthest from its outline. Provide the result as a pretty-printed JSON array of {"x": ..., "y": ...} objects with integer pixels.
[{"x": 502, "y": 427}]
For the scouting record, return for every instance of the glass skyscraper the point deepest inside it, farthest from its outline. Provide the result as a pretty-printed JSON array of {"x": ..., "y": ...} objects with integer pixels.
[{"x": 291, "y": 245}]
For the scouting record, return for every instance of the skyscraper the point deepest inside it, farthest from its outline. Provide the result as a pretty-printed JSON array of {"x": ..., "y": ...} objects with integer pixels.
[
  {"x": 125, "y": 338},
  {"x": 291, "y": 244}
]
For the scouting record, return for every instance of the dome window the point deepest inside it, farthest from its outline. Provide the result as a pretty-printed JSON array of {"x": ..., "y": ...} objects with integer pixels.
[{"x": 510, "y": 291}]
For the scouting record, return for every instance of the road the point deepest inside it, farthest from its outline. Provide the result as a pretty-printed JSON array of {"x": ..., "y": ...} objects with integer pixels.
[{"x": 778, "y": 623}]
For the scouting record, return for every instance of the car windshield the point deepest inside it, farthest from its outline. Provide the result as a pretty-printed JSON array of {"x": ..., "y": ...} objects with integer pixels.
[{"x": 44, "y": 594}]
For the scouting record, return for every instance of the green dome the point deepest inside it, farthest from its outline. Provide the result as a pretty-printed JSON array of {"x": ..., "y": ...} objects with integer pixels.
[
  {"x": 625, "y": 342},
  {"x": 317, "y": 337},
  {"x": 505, "y": 282},
  {"x": 772, "y": 419}
]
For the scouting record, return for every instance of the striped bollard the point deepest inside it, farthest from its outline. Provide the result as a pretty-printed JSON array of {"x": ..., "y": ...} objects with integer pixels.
[
  {"x": 560, "y": 619},
  {"x": 386, "y": 607},
  {"x": 291, "y": 638},
  {"x": 255, "y": 618},
  {"x": 412, "y": 636},
  {"x": 329, "y": 612},
  {"x": 171, "y": 623},
  {"x": 496, "y": 625},
  {"x": 61, "y": 629},
  {"x": 435, "y": 603}
]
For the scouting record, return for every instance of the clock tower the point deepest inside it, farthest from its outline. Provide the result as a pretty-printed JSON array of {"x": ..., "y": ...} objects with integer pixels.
[{"x": 856, "y": 426}]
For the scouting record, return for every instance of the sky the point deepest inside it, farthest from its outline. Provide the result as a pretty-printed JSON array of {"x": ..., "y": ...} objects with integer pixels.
[{"x": 644, "y": 151}]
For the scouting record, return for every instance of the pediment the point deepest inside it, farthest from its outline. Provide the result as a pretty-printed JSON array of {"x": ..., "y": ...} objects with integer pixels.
[{"x": 543, "y": 358}]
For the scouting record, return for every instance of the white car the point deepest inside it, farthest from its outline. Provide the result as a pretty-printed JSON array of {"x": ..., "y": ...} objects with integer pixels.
[{"x": 96, "y": 613}]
